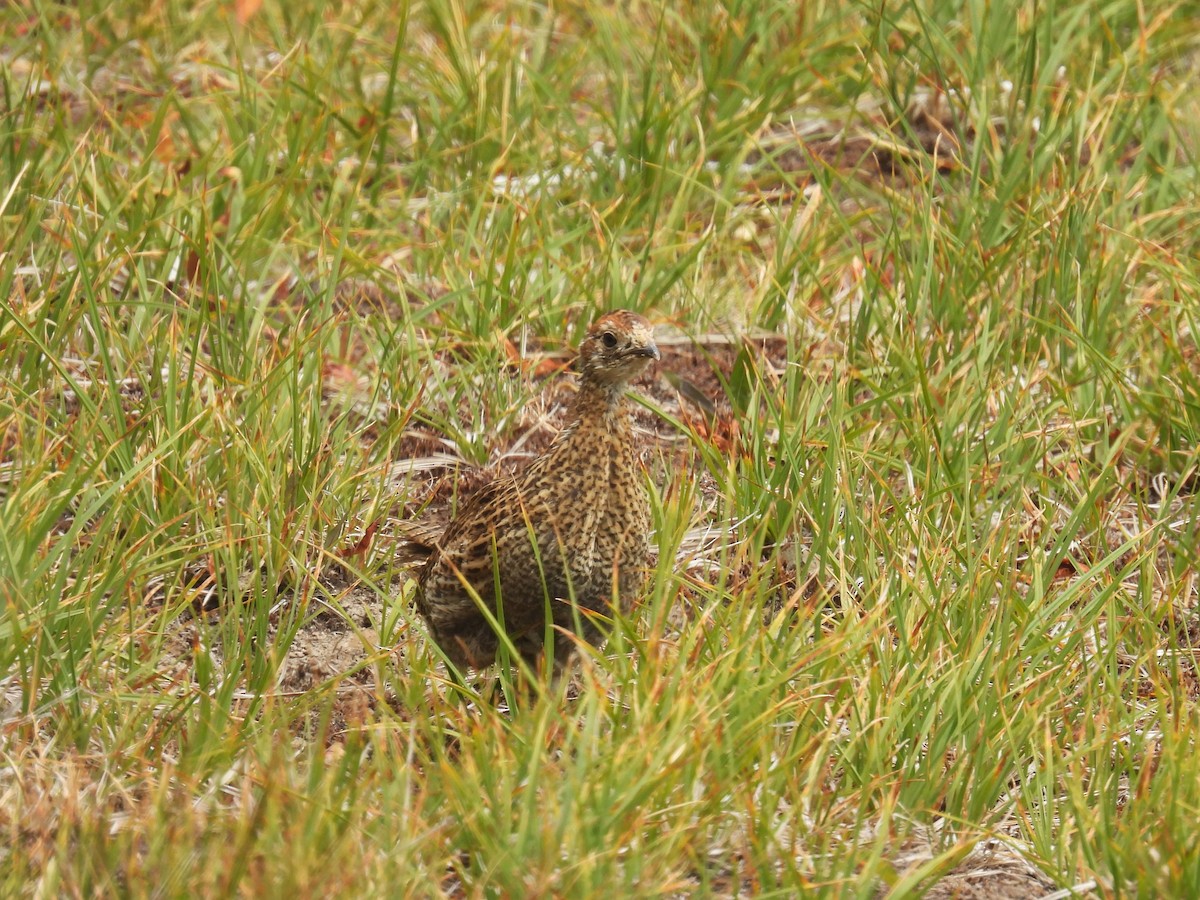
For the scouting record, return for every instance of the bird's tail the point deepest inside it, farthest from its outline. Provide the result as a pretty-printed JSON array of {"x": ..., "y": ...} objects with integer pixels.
[{"x": 417, "y": 541}]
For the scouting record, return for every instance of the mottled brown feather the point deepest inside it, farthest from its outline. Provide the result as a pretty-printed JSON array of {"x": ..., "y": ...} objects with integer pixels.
[{"x": 573, "y": 525}]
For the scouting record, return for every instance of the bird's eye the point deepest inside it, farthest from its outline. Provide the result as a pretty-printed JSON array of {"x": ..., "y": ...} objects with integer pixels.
[{"x": 609, "y": 339}]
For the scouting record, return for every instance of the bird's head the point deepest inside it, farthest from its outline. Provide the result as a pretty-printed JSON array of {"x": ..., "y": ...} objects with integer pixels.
[{"x": 617, "y": 349}]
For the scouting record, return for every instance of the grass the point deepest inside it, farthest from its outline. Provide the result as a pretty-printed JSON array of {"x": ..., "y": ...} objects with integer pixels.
[{"x": 258, "y": 265}]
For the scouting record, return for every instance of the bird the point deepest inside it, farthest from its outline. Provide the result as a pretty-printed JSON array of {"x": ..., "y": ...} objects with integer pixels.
[{"x": 549, "y": 548}]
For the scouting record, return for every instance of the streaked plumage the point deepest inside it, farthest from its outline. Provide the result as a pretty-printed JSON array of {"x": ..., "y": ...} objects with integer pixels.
[{"x": 574, "y": 523}]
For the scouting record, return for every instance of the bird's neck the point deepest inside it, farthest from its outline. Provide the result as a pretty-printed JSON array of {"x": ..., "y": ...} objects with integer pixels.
[
  {"x": 600, "y": 404},
  {"x": 597, "y": 408},
  {"x": 599, "y": 429}
]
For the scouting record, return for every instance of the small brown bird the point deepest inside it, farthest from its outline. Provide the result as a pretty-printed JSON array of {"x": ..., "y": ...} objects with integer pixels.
[{"x": 563, "y": 537}]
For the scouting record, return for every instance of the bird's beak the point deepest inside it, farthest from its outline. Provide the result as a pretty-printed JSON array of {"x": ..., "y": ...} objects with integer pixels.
[{"x": 650, "y": 351}]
